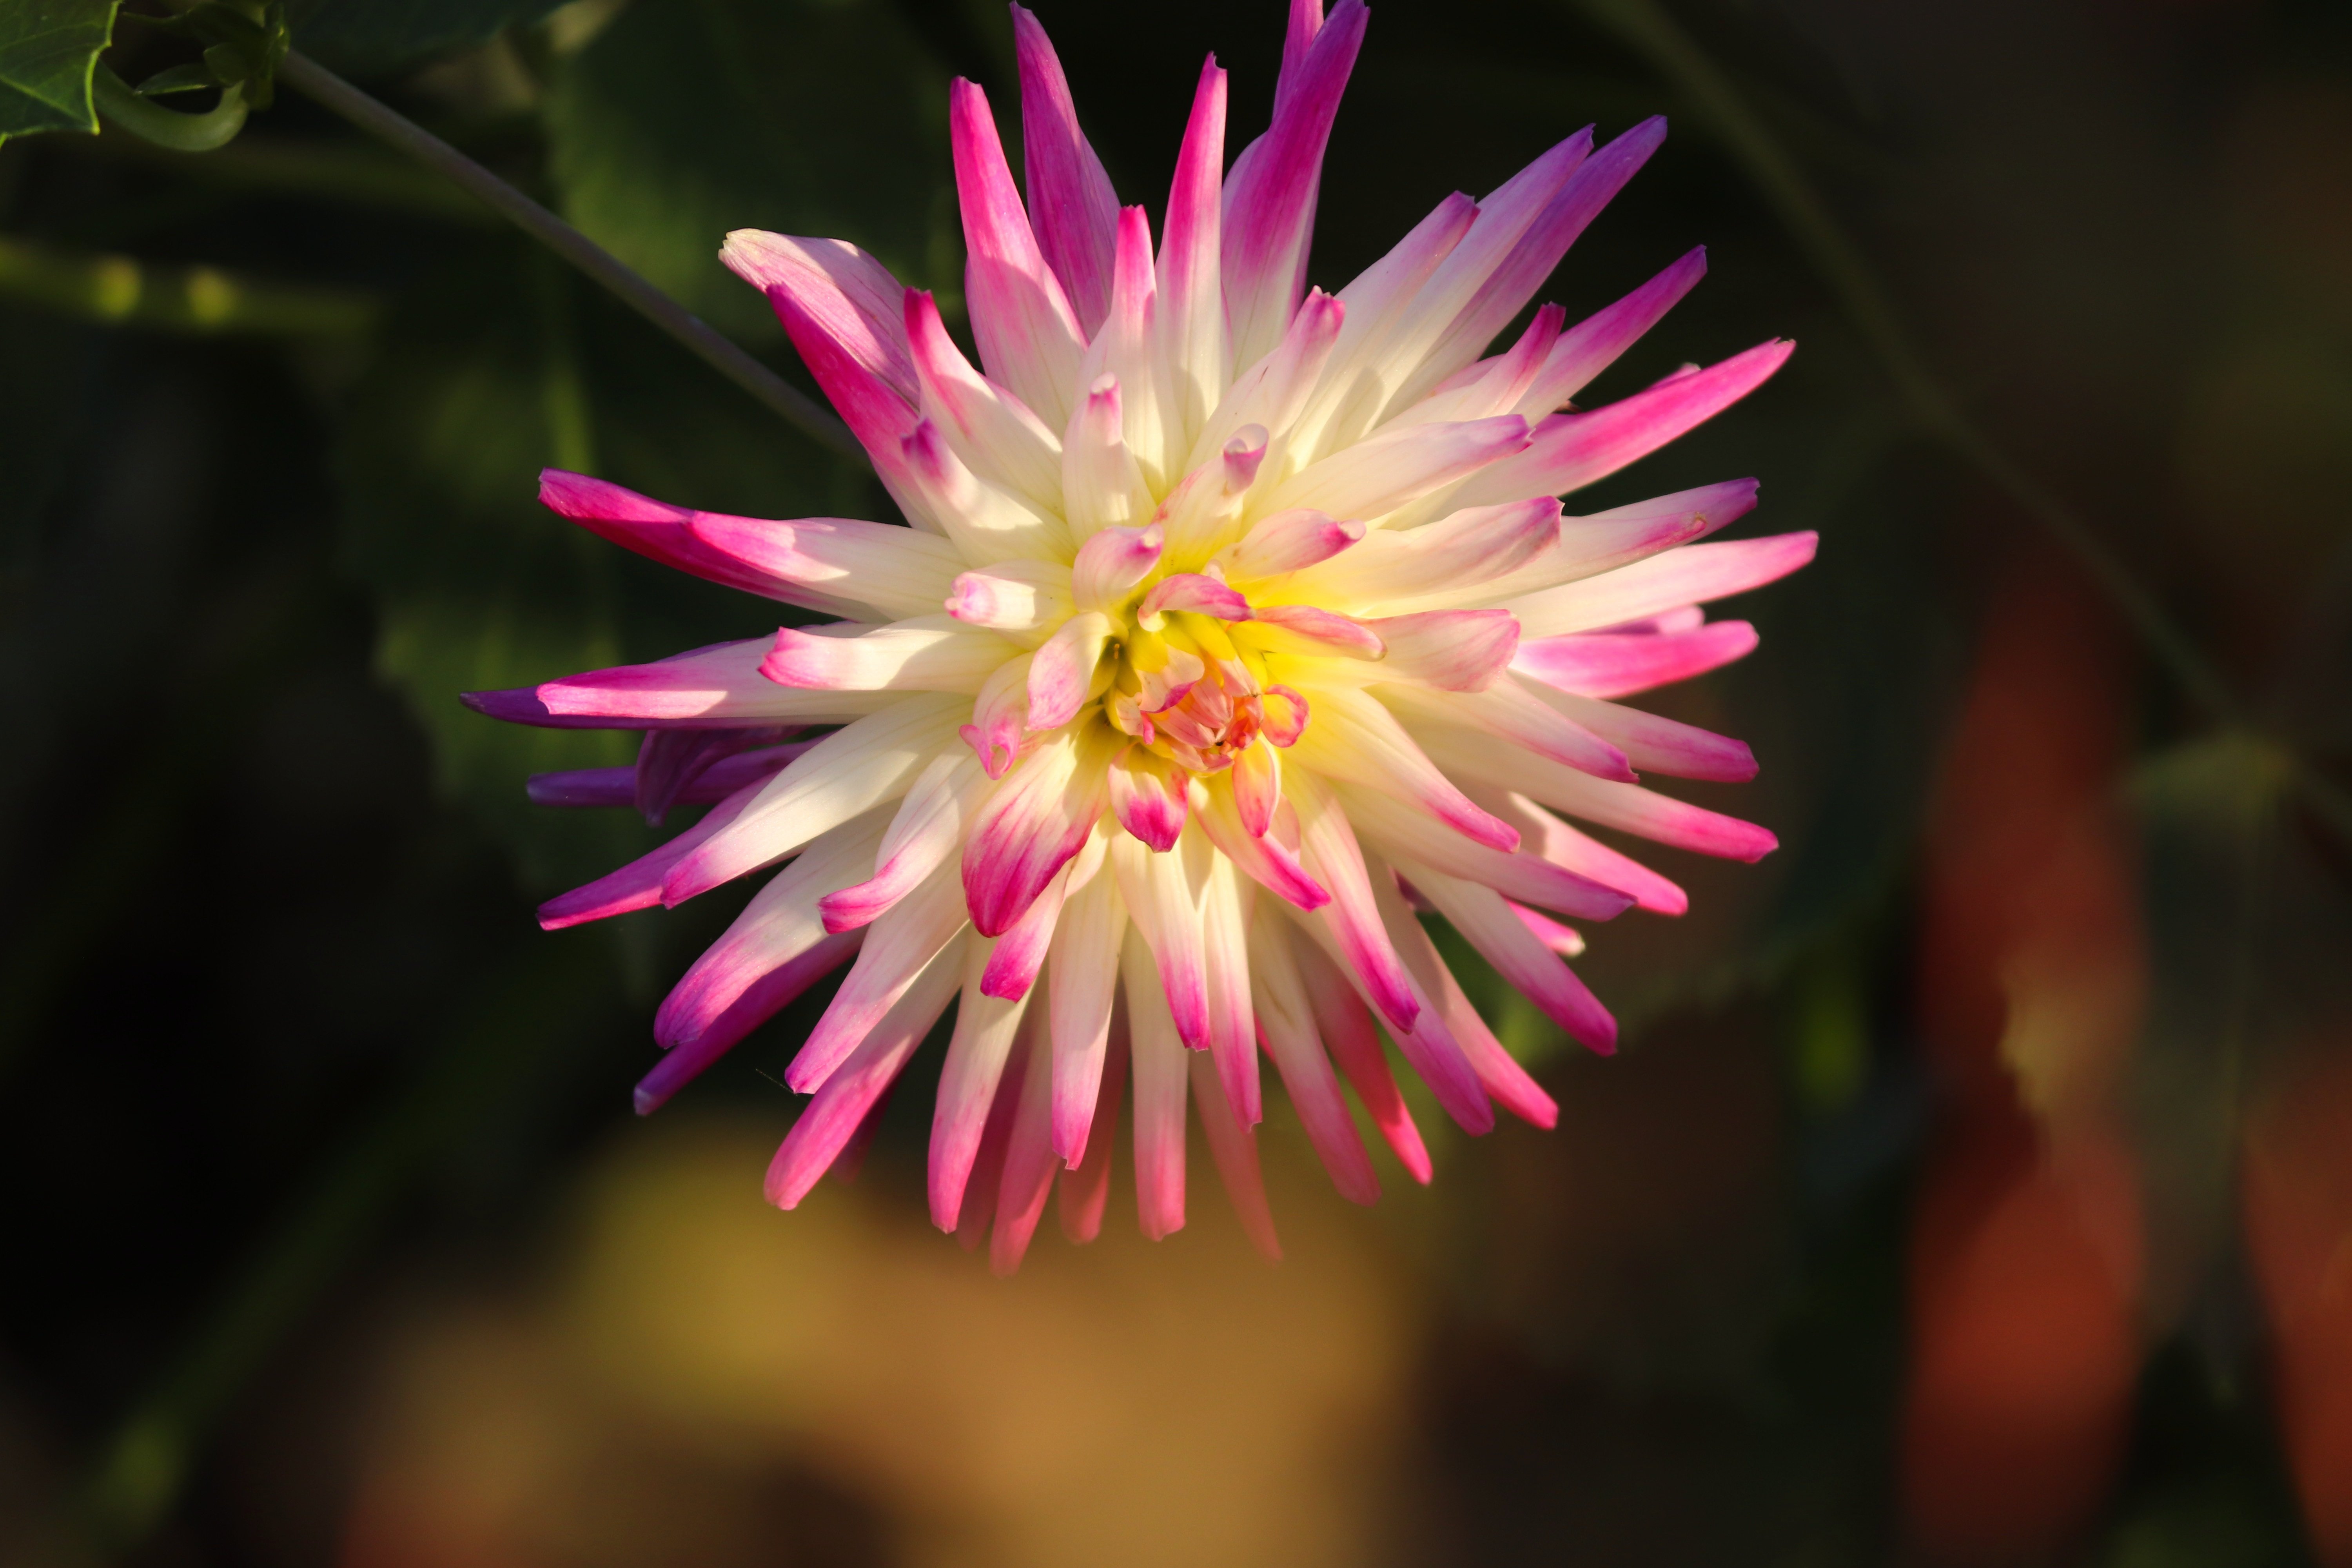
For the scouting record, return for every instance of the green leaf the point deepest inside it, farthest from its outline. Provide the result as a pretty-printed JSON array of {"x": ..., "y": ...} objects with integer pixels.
[
  {"x": 48, "y": 49},
  {"x": 686, "y": 119},
  {"x": 494, "y": 369},
  {"x": 374, "y": 36}
]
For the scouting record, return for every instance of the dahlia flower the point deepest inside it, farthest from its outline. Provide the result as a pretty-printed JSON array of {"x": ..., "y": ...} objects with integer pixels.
[{"x": 1235, "y": 625}]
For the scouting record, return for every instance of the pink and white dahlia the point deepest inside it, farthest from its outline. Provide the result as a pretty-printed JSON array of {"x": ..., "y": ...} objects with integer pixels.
[{"x": 1235, "y": 624}]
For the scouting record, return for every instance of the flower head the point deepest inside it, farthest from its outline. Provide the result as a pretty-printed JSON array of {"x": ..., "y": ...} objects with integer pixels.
[{"x": 1236, "y": 624}]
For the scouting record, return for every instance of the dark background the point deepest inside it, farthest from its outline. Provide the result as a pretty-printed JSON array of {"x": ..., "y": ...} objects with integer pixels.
[{"x": 1976, "y": 1183}]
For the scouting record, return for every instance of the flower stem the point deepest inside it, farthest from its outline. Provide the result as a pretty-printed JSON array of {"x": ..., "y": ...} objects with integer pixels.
[
  {"x": 126, "y": 110},
  {"x": 796, "y": 407}
]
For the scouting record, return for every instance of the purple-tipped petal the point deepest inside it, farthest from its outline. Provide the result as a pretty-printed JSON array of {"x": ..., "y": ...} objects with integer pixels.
[
  {"x": 1269, "y": 200},
  {"x": 843, "y": 1102},
  {"x": 1071, "y": 204},
  {"x": 1569, "y": 451},
  {"x": 1030, "y": 340},
  {"x": 1692, "y": 575},
  {"x": 757, "y": 1003},
  {"x": 1593, "y": 345},
  {"x": 661, "y": 532},
  {"x": 991, "y": 429},
  {"x": 1354, "y": 740},
  {"x": 1453, "y": 651},
  {"x": 1604, "y": 664},
  {"x": 1192, "y": 592},
  {"x": 1191, "y": 307},
  {"x": 1511, "y": 283},
  {"x": 1038, "y": 818}
]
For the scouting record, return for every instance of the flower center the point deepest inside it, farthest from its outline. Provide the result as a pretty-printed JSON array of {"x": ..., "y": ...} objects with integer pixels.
[{"x": 1187, "y": 693}]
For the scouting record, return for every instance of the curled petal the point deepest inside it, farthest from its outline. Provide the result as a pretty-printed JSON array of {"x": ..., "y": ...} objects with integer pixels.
[
  {"x": 1038, "y": 818},
  {"x": 1192, "y": 592},
  {"x": 1506, "y": 938},
  {"x": 1015, "y": 597},
  {"x": 1110, "y": 564},
  {"x": 1285, "y": 715},
  {"x": 898, "y": 946},
  {"x": 1547, "y": 839},
  {"x": 1020, "y": 953},
  {"x": 984, "y": 521},
  {"x": 1509, "y": 712},
  {"x": 1083, "y": 1190},
  {"x": 1565, "y": 940},
  {"x": 999, "y": 718},
  {"x": 1274, "y": 392},
  {"x": 1304, "y": 630},
  {"x": 663, "y": 532},
  {"x": 638, "y": 884},
  {"x": 1027, "y": 1174},
  {"x": 666, "y": 774},
  {"x": 718, "y": 688},
  {"x": 1507, "y": 288},
  {"x": 1233, "y": 1029},
  {"x": 1257, "y": 786},
  {"x": 1148, "y": 795},
  {"x": 758, "y": 1002},
  {"x": 1289, "y": 542},
  {"x": 1103, "y": 486},
  {"x": 932, "y": 653},
  {"x": 1062, "y": 676},
  {"x": 1491, "y": 1066}
]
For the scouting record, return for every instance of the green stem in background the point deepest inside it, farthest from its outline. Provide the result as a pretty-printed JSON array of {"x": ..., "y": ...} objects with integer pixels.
[
  {"x": 126, "y": 110},
  {"x": 506, "y": 1031},
  {"x": 1653, "y": 33},
  {"x": 795, "y": 406},
  {"x": 119, "y": 292}
]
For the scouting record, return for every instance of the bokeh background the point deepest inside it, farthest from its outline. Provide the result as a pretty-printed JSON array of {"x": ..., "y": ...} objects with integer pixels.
[{"x": 1975, "y": 1186}]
